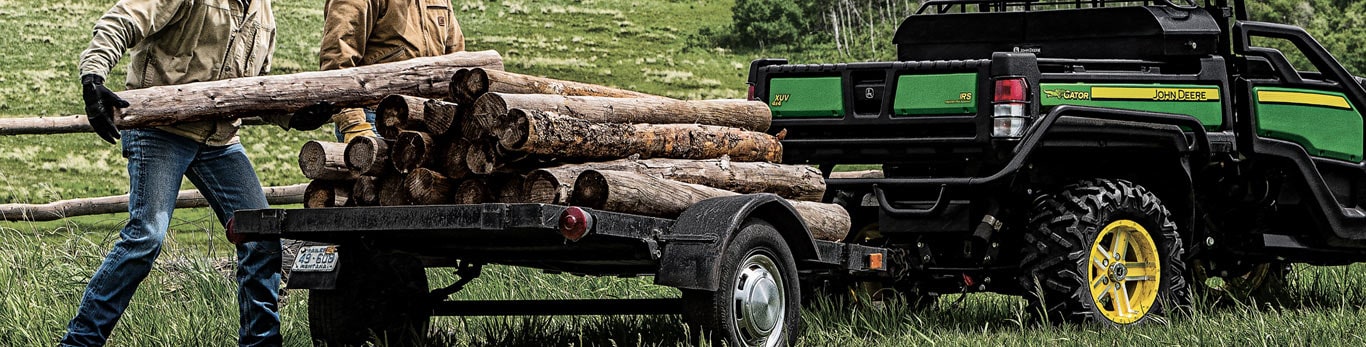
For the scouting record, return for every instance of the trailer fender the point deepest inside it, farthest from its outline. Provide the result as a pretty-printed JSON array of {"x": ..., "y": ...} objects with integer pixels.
[{"x": 691, "y": 252}]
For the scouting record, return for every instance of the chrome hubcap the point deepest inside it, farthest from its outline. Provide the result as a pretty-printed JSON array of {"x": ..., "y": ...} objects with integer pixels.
[{"x": 759, "y": 302}]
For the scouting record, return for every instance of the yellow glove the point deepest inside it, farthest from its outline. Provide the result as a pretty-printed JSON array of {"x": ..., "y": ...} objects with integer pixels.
[{"x": 351, "y": 124}]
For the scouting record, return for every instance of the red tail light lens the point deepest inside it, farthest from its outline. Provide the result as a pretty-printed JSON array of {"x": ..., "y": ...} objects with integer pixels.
[
  {"x": 231, "y": 232},
  {"x": 575, "y": 223},
  {"x": 750, "y": 95},
  {"x": 1012, "y": 90}
]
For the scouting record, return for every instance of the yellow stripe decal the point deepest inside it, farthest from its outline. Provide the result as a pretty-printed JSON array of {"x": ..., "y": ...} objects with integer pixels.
[
  {"x": 1155, "y": 94},
  {"x": 1311, "y": 99}
]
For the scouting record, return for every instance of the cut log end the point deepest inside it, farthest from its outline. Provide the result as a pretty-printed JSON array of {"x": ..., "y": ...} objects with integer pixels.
[
  {"x": 440, "y": 116},
  {"x": 473, "y": 191},
  {"x": 367, "y": 155},
  {"x": 365, "y": 192},
  {"x": 413, "y": 150},
  {"x": 427, "y": 187},
  {"x": 590, "y": 190},
  {"x": 324, "y": 161}
]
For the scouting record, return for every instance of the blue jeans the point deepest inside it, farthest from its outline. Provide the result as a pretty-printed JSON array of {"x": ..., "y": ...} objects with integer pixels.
[
  {"x": 369, "y": 118},
  {"x": 156, "y": 161}
]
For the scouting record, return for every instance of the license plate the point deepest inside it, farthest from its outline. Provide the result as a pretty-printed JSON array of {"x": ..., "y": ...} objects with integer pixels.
[{"x": 316, "y": 259}]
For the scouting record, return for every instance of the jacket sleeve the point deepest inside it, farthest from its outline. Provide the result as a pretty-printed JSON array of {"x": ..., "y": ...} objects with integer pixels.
[
  {"x": 455, "y": 42},
  {"x": 123, "y": 26},
  {"x": 346, "y": 28}
]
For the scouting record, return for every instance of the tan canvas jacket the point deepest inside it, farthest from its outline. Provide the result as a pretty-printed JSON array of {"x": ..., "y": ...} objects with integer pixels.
[
  {"x": 183, "y": 41},
  {"x": 366, "y": 32}
]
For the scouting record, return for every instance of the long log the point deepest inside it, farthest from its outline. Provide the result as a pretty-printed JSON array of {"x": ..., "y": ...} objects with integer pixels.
[
  {"x": 491, "y": 110},
  {"x": 115, "y": 204},
  {"x": 478, "y": 81},
  {"x": 634, "y": 193},
  {"x": 800, "y": 182},
  {"x": 397, "y": 113},
  {"x": 365, "y": 192},
  {"x": 427, "y": 187},
  {"x": 324, "y": 161},
  {"x": 64, "y": 125},
  {"x": 552, "y": 135},
  {"x": 414, "y": 149},
  {"x": 320, "y": 193},
  {"x": 393, "y": 191},
  {"x": 440, "y": 117},
  {"x": 368, "y": 156},
  {"x": 362, "y": 86}
]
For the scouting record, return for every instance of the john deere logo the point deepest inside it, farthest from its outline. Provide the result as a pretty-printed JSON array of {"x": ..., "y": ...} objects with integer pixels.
[
  {"x": 779, "y": 99},
  {"x": 1066, "y": 94}
]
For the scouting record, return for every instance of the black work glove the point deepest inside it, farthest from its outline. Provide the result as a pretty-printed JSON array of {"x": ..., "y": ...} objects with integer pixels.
[
  {"x": 314, "y": 116},
  {"x": 99, "y": 106}
]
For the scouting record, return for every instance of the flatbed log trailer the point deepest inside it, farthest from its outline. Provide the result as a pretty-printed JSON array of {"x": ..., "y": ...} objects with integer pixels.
[{"x": 1102, "y": 159}]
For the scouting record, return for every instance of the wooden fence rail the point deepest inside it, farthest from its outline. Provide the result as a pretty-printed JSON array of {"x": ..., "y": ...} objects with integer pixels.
[{"x": 114, "y": 204}]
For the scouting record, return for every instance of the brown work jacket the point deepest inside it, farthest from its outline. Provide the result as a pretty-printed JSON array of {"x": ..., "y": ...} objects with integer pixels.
[{"x": 366, "y": 32}]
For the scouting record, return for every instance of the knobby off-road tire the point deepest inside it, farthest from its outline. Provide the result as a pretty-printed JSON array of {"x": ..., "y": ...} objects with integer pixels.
[
  {"x": 380, "y": 297},
  {"x": 1071, "y": 277},
  {"x": 758, "y": 299}
]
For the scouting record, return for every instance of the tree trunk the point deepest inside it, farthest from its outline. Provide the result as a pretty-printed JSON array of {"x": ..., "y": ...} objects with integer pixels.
[
  {"x": 491, "y": 110},
  {"x": 440, "y": 116},
  {"x": 115, "y": 204},
  {"x": 365, "y": 192},
  {"x": 368, "y": 156},
  {"x": 324, "y": 161},
  {"x": 473, "y": 190},
  {"x": 413, "y": 150},
  {"x": 363, "y": 86},
  {"x": 479, "y": 81},
  {"x": 570, "y": 139},
  {"x": 322, "y": 193},
  {"x": 393, "y": 191},
  {"x": 800, "y": 182},
  {"x": 640, "y": 194},
  {"x": 427, "y": 187},
  {"x": 399, "y": 113}
]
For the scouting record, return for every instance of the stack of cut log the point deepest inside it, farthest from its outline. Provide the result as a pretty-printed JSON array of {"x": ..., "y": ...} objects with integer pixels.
[{"x": 510, "y": 138}]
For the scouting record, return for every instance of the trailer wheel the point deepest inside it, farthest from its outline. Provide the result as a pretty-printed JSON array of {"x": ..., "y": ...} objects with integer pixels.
[
  {"x": 1103, "y": 251},
  {"x": 758, "y": 298},
  {"x": 379, "y": 297}
]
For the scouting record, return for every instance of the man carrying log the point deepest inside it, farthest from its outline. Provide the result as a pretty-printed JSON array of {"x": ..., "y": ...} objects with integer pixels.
[
  {"x": 172, "y": 42},
  {"x": 366, "y": 32}
]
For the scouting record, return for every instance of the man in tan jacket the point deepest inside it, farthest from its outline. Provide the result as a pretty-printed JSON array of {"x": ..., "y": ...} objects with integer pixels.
[
  {"x": 365, "y": 32},
  {"x": 173, "y": 42}
]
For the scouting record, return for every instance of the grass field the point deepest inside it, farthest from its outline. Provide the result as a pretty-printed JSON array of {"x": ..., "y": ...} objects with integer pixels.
[{"x": 650, "y": 46}]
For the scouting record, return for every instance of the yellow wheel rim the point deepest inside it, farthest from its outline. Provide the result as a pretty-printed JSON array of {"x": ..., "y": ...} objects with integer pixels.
[{"x": 1124, "y": 274}]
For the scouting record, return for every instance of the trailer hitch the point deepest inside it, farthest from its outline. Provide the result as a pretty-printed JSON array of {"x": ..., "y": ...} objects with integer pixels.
[{"x": 467, "y": 271}]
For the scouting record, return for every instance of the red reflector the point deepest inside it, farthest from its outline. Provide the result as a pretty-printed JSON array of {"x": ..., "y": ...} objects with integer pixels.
[
  {"x": 967, "y": 280},
  {"x": 231, "y": 232},
  {"x": 1011, "y": 90},
  {"x": 574, "y": 223},
  {"x": 750, "y": 96}
]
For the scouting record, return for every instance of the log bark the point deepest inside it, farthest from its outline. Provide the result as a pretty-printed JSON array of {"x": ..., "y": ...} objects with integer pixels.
[
  {"x": 65, "y": 125},
  {"x": 364, "y": 86},
  {"x": 320, "y": 193},
  {"x": 324, "y": 161},
  {"x": 414, "y": 150},
  {"x": 368, "y": 156},
  {"x": 427, "y": 187},
  {"x": 479, "y": 81},
  {"x": 365, "y": 192},
  {"x": 799, "y": 182},
  {"x": 570, "y": 139},
  {"x": 492, "y": 109},
  {"x": 398, "y": 113},
  {"x": 440, "y": 117},
  {"x": 393, "y": 191},
  {"x": 473, "y": 190},
  {"x": 115, "y": 204},
  {"x": 640, "y": 194}
]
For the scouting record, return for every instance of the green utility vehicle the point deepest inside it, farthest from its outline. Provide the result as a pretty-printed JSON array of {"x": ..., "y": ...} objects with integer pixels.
[{"x": 1103, "y": 159}]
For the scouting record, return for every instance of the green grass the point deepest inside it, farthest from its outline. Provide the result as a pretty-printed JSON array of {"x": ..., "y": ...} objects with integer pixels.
[{"x": 652, "y": 46}]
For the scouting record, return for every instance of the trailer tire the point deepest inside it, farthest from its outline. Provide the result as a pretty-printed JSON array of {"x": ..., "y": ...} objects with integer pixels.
[
  {"x": 379, "y": 297},
  {"x": 1089, "y": 256},
  {"x": 758, "y": 297}
]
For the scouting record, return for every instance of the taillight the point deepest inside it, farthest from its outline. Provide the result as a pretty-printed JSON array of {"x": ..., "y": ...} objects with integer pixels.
[
  {"x": 750, "y": 96},
  {"x": 1010, "y": 117},
  {"x": 231, "y": 232},
  {"x": 575, "y": 223}
]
